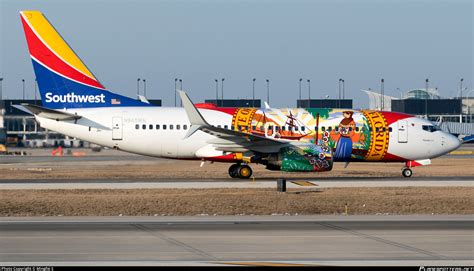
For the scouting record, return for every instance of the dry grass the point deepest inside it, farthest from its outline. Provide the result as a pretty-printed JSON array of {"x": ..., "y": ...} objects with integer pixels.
[
  {"x": 160, "y": 169},
  {"x": 148, "y": 202}
]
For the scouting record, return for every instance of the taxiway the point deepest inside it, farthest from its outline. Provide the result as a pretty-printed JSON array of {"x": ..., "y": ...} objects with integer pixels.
[{"x": 251, "y": 240}]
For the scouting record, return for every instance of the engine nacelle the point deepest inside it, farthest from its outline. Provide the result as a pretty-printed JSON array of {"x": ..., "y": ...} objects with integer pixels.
[{"x": 302, "y": 158}]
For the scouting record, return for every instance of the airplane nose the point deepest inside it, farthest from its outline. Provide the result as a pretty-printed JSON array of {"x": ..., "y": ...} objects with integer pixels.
[{"x": 452, "y": 142}]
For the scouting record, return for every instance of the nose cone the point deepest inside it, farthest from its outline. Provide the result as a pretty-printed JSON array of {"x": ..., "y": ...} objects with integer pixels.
[{"x": 452, "y": 142}]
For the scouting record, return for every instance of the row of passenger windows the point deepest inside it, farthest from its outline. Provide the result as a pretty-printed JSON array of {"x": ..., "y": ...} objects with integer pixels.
[
  {"x": 262, "y": 128},
  {"x": 162, "y": 127}
]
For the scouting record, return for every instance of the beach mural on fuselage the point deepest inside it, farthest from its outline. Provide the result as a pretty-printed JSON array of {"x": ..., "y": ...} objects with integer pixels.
[{"x": 352, "y": 135}]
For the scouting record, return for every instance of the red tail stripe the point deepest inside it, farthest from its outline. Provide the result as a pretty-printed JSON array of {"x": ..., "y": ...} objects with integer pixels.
[{"x": 42, "y": 53}]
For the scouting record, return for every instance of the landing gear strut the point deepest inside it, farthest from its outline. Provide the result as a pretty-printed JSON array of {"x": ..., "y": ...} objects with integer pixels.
[
  {"x": 406, "y": 172},
  {"x": 240, "y": 171}
]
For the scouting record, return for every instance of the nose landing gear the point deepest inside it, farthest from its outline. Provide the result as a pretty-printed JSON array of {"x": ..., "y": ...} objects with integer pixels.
[
  {"x": 407, "y": 172},
  {"x": 240, "y": 171}
]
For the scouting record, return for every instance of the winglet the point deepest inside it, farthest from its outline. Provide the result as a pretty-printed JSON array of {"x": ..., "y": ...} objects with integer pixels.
[{"x": 195, "y": 118}]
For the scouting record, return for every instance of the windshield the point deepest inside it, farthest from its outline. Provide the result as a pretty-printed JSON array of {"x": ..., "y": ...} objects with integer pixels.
[{"x": 431, "y": 128}]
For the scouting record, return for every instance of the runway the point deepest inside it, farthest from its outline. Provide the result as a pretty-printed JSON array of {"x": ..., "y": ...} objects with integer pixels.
[
  {"x": 165, "y": 183},
  {"x": 238, "y": 240}
]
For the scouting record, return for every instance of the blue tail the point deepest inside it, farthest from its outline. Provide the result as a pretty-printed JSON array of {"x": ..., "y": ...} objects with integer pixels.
[{"x": 64, "y": 80}]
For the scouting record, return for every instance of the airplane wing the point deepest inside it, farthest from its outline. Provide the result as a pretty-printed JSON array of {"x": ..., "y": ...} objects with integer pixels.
[
  {"x": 46, "y": 112},
  {"x": 227, "y": 140}
]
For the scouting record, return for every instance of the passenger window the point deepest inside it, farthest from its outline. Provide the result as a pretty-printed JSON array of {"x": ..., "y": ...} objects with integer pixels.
[
  {"x": 254, "y": 127},
  {"x": 350, "y": 129},
  {"x": 262, "y": 128},
  {"x": 277, "y": 128},
  {"x": 164, "y": 126},
  {"x": 157, "y": 127},
  {"x": 323, "y": 128},
  {"x": 302, "y": 128},
  {"x": 232, "y": 127},
  {"x": 357, "y": 129},
  {"x": 270, "y": 128},
  {"x": 389, "y": 129},
  {"x": 337, "y": 129},
  {"x": 226, "y": 127},
  {"x": 185, "y": 127},
  {"x": 296, "y": 128},
  {"x": 377, "y": 129},
  {"x": 144, "y": 126},
  {"x": 384, "y": 129},
  {"x": 178, "y": 126},
  {"x": 137, "y": 126},
  {"x": 150, "y": 126},
  {"x": 329, "y": 129},
  {"x": 283, "y": 128},
  {"x": 171, "y": 126},
  {"x": 316, "y": 128}
]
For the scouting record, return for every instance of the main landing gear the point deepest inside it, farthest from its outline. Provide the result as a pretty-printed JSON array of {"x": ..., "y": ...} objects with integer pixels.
[
  {"x": 241, "y": 171},
  {"x": 406, "y": 172}
]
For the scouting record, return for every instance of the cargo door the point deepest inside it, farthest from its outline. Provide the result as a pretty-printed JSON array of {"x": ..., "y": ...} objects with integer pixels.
[
  {"x": 402, "y": 131},
  {"x": 117, "y": 131}
]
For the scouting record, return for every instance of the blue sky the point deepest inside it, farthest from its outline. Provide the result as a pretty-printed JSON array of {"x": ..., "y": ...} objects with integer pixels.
[{"x": 403, "y": 42}]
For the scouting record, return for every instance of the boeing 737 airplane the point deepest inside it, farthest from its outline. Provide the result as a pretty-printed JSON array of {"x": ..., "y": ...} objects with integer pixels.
[{"x": 76, "y": 104}]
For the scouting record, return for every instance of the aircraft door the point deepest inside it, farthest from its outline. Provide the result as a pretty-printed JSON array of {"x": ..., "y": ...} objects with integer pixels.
[
  {"x": 402, "y": 131},
  {"x": 117, "y": 131}
]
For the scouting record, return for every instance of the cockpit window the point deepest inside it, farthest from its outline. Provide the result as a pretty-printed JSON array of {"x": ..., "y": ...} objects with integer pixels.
[{"x": 431, "y": 128}]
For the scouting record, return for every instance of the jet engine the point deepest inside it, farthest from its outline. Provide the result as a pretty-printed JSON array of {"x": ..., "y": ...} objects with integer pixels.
[{"x": 301, "y": 158}]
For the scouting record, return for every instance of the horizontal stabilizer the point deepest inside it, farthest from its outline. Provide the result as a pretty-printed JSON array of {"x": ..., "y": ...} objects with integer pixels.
[{"x": 46, "y": 112}]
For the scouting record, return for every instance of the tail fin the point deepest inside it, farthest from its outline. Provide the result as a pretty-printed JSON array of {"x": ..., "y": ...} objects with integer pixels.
[{"x": 64, "y": 81}]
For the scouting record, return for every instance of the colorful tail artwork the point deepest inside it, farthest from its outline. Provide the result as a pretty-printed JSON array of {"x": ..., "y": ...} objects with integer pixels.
[{"x": 64, "y": 81}]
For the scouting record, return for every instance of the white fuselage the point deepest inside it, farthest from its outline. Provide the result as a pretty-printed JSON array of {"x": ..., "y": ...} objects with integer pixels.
[{"x": 134, "y": 129}]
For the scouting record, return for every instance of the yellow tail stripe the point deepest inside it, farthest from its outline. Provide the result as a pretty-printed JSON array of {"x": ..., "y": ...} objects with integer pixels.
[{"x": 54, "y": 41}]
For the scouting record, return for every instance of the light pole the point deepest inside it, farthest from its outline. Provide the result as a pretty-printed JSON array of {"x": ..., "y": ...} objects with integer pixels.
[
  {"x": 175, "y": 89},
  {"x": 138, "y": 87},
  {"x": 309, "y": 93},
  {"x": 339, "y": 100},
  {"x": 253, "y": 92},
  {"x": 23, "y": 81},
  {"x": 144, "y": 87},
  {"x": 268, "y": 91},
  {"x": 460, "y": 87},
  {"x": 299, "y": 96},
  {"x": 426, "y": 97},
  {"x": 343, "y": 89},
  {"x": 1, "y": 88},
  {"x": 217, "y": 90},
  {"x": 382, "y": 94},
  {"x": 181, "y": 88},
  {"x": 222, "y": 92}
]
